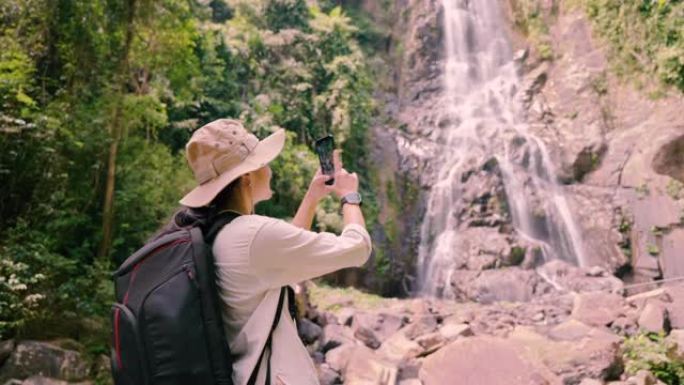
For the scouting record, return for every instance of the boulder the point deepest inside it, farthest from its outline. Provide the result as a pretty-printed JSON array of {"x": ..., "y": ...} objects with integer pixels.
[
  {"x": 410, "y": 381},
  {"x": 639, "y": 300},
  {"x": 431, "y": 342},
  {"x": 409, "y": 369},
  {"x": 484, "y": 361},
  {"x": 421, "y": 325},
  {"x": 653, "y": 318},
  {"x": 643, "y": 377},
  {"x": 318, "y": 357},
  {"x": 324, "y": 318},
  {"x": 597, "y": 308},
  {"x": 380, "y": 325},
  {"x": 102, "y": 369},
  {"x": 677, "y": 338},
  {"x": 364, "y": 368},
  {"x": 345, "y": 315},
  {"x": 570, "y": 330},
  {"x": 335, "y": 335},
  {"x": 451, "y": 331},
  {"x": 589, "y": 381},
  {"x": 309, "y": 332},
  {"x": 572, "y": 278},
  {"x": 511, "y": 284},
  {"x": 399, "y": 348},
  {"x": 574, "y": 352},
  {"x": 338, "y": 357},
  {"x": 45, "y": 359},
  {"x": 675, "y": 308},
  {"x": 328, "y": 376},
  {"x": 40, "y": 380},
  {"x": 367, "y": 336},
  {"x": 625, "y": 326},
  {"x": 6, "y": 348}
]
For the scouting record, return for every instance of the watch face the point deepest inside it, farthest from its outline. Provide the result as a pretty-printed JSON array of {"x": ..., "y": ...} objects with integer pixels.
[{"x": 353, "y": 198}]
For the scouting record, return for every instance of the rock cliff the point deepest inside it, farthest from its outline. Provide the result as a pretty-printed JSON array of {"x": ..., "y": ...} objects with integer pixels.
[{"x": 617, "y": 152}]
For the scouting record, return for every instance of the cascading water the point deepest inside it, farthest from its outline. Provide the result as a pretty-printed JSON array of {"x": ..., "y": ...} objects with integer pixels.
[{"x": 481, "y": 85}]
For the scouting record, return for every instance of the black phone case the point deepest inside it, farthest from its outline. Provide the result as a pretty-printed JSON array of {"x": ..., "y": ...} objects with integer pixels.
[{"x": 324, "y": 148}]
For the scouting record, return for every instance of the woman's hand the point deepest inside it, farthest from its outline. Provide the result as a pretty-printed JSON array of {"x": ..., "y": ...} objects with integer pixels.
[
  {"x": 345, "y": 182},
  {"x": 317, "y": 188}
]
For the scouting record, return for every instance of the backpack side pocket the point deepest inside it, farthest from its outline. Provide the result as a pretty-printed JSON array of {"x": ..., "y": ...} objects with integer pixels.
[{"x": 127, "y": 357}]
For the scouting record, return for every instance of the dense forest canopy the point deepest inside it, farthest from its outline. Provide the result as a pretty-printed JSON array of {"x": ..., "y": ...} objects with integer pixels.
[{"x": 97, "y": 100}]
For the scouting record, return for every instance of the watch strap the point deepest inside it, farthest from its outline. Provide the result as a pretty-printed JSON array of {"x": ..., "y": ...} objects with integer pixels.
[{"x": 351, "y": 198}]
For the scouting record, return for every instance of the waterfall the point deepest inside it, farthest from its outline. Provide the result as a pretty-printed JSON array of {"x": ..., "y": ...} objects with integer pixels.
[{"x": 482, "y": 111}]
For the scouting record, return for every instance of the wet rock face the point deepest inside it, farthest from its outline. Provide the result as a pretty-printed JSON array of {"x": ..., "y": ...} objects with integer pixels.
[
  {"x": 669, "y": 160},
  {"x": 484, "y": 195},
  {"x": 619, "y": 187},
  {"x": 565, "y": 276},
  {"x": 588, "y": 160},
  {"x": 510, "y": 284},
  {"x": 596, "y": 127}
]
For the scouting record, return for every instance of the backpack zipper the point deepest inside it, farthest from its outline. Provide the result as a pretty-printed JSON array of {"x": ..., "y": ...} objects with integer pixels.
[{"x": 191, "y": 275}]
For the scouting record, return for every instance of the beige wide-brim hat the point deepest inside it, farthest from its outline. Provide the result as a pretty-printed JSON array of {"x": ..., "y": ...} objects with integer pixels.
[{"x": 220, "y": 151}]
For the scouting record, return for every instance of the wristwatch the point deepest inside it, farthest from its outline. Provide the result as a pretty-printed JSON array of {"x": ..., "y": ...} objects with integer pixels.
[{"x": 353, "y": 198}]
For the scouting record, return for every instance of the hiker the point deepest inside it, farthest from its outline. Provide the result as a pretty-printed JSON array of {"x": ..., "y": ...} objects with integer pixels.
[{"x": 256, "y": 256}]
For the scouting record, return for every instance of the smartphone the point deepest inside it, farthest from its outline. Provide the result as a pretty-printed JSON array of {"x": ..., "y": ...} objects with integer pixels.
[{"x": 324, "y": 148}]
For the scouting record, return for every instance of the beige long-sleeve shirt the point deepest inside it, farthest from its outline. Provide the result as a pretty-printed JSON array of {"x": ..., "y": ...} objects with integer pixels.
[{"x": 257, "y": 255}]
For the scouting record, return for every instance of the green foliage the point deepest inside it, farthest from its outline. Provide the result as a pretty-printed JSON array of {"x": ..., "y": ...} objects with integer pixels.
[
  {"x": 657, "y": 231},
  {"x": 646, "y": 38},
  {"x": 270, "y": 62},
  {"x": 642, "y": 190},
  {"x": 21, "y": 304},
  {"x": 625, "y": 229},
  {"x": 150, "y": 180},
  {"x": 329, "y": 298},
  {"x": 531, "y": 19},
  {"x": 382, "y": 263},
  {"x": 653, "y": 250},
  {"x": 283, "y": 14},
  {"x": 42, "y": 287},
  {"x": 517, "y": 255},
  {"x": 292, "y": 172},
  {"x": 653, "y": 352},
  {"x": 674, "y": 189},
  {"x": 327, "y": 216}
]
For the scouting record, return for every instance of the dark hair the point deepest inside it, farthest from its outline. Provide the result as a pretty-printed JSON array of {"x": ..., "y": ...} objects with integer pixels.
[{"x": 188, "y": 216}]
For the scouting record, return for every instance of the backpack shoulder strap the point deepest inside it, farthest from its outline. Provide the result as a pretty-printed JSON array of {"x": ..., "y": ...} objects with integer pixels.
[
  {"x": 216, "y": 223},
  {"x": 269, "y": 343},
  {"x": 219, "y": 352}
]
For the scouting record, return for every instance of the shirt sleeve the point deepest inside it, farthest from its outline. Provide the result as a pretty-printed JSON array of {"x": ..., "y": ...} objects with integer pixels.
[{"x": 286, "y": 254}]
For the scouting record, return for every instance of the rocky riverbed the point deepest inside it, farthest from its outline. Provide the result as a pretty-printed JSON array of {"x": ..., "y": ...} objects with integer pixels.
[
  {"x": 564, "y": 336},
  {"x": 580, "y": 330}
]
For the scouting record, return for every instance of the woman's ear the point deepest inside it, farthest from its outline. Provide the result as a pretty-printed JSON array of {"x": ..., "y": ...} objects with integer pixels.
[{"x": 246, "y": 179}]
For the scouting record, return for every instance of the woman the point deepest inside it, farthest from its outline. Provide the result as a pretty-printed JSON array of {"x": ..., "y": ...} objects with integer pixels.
[{"x": 256, "y": 255}]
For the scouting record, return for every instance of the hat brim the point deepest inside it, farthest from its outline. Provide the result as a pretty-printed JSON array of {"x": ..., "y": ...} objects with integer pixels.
[{"x": 264, "y": 152}]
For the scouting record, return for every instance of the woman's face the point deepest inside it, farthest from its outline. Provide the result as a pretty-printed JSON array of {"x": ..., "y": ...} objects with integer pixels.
[{"x": 261, "y": 184}]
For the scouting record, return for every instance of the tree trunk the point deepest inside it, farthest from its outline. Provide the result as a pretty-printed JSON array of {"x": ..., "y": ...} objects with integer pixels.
[{"x": 115, "y": 133}]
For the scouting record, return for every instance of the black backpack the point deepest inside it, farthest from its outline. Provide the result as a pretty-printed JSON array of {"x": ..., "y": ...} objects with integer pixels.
[{"x": 166, "y": 322}]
